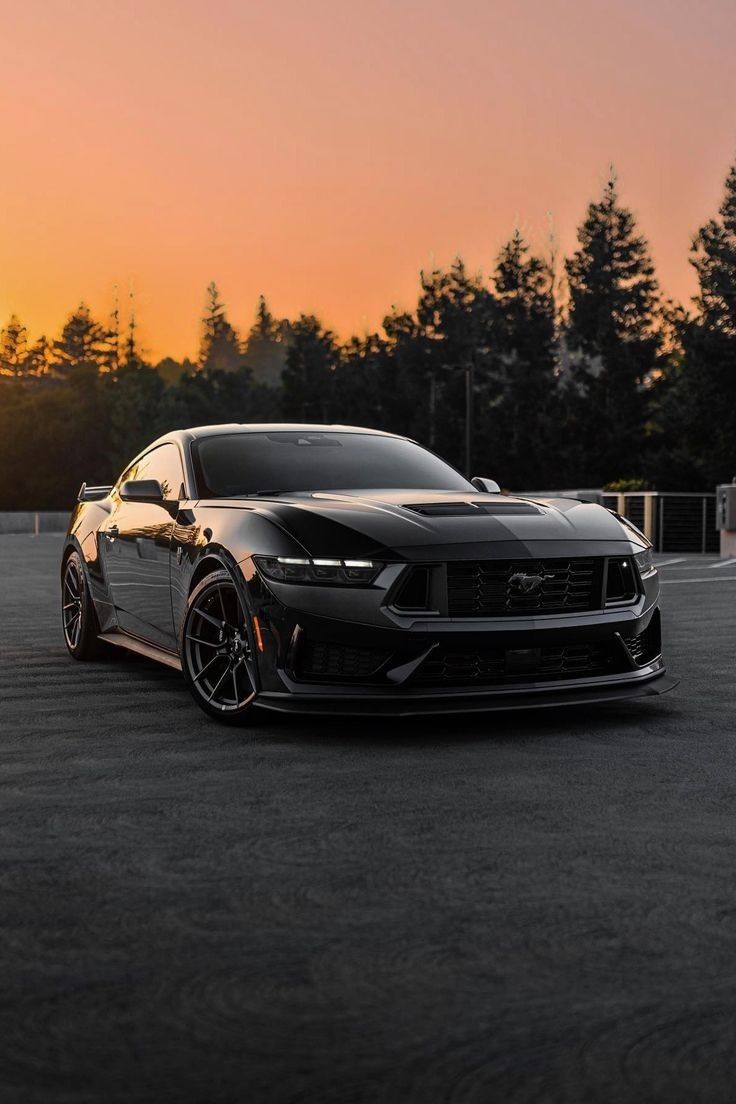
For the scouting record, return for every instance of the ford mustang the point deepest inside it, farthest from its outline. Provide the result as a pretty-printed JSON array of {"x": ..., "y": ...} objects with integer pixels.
[{"x": 338, "y": 570}]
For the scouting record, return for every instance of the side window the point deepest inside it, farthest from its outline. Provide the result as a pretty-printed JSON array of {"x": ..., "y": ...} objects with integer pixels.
[{"x": 162, "y": 463}]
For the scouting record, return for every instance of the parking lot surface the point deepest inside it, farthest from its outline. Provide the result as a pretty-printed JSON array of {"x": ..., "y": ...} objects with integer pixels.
[{"x": 534, "y": 907}]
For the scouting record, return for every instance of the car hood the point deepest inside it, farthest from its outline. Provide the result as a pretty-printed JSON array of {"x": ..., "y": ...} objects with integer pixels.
[{"x": 367, "y": 524}]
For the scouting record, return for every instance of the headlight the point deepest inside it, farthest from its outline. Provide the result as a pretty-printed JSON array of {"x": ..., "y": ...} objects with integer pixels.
[
  {"x": 325, "y": 572},
  {"x": 645, "y": 563}
]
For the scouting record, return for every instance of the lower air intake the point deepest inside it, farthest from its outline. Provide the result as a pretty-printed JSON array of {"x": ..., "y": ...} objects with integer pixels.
[
  {"x": 496, "y": 666},
  {"x": 331, "y": 661},
  {"x": 647, "y": 645}
]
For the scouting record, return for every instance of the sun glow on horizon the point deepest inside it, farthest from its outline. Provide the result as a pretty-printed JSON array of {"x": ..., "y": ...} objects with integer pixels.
[{"x": 323, "y": 154}]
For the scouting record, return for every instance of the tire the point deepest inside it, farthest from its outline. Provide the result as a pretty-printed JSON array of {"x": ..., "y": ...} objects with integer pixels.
[
  {"x": 217, "y": 654},
  {"x": 78, "y": 617}
]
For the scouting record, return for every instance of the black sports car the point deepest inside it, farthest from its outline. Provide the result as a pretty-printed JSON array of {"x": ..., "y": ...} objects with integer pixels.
[{"x": 331, "y": 569}]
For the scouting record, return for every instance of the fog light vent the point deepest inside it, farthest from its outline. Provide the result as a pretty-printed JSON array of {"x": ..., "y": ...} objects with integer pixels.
[
  {"x": 414, "y": 593},
  {"x": 621, "y": 582}
]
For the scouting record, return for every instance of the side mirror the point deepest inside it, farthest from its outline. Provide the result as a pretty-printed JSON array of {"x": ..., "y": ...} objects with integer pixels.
[
  {"x": 141, "y": 490},
  {"x": 490, "y": 486}
]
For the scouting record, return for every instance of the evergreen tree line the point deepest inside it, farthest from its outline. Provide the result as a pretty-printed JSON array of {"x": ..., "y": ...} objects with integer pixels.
[{"x": 584, "y": 376}]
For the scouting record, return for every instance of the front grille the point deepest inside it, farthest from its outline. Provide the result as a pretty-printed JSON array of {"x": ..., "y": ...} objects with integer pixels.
[
  {"x": 496, "y": 665},
  {"x": 318, "y": 660},
  {"x": 500, "y": 588},
  {"x": 645, "y": 646}
]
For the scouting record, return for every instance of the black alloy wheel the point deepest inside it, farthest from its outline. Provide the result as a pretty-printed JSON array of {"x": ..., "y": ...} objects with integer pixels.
[
  {"x": 217, "y": 655},
  {"x": 78, "y": 617}
]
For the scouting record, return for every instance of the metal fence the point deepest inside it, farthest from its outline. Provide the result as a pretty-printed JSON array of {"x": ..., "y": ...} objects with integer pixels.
[
  {"x": 673, "y": 522},
  {"x": 34, "y": 521}
]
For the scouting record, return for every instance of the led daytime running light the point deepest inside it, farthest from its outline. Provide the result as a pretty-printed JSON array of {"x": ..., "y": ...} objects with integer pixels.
[
  {"x": 324, "y": 571},
  {"x": 325, "y": 563}
]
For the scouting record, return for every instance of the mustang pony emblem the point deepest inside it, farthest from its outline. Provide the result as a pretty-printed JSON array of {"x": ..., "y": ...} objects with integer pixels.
[{"x": 527, "y": 584}]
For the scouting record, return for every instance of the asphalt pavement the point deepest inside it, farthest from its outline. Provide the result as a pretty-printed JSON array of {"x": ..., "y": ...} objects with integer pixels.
[{"x": 536, "y": 907}]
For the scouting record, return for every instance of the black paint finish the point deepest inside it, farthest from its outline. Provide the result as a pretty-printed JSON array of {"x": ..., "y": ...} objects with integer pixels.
[{"x": 144, "y": 558}]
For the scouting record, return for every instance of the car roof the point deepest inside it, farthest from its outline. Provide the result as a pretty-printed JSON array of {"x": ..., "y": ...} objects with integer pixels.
[{"x": 194, "y": 433}]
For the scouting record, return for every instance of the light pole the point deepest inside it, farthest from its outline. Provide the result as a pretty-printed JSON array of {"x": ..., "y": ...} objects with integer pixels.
[{"x": 469, "y": 385}]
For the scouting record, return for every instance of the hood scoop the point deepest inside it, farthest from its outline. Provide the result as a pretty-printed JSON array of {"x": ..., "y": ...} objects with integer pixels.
[{"x": 470, "y": 509}]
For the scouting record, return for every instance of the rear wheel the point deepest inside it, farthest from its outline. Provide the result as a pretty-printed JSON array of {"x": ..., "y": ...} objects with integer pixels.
[
  {"x": 78, "y": 617},
  {"x": 217, "y": 659}
]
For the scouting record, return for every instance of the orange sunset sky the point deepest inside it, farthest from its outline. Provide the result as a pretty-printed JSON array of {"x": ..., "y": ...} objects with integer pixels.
[{"x": 323, "y": 151}]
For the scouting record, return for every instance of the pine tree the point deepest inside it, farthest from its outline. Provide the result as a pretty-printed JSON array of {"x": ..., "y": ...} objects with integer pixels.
[
  {"x": 519, "y": 418},
  {"x": 266, "y": 346},
  {"x": 367, "y": 387},
  {"x": 265, "y": 325},
  {"x": 83, "y": 343},
  {"x": 714, "y": 259},
  {"x": 13, "y": 348},
  {"x": 37, "y": 358},
  {"x": 219, "y": 349},
  {"x": 697, "y": 410},
  {"x": 309, "y": 371},
  {"x": 455, "y": 316},
  {"x": 131, "y": 353},
  {"x": 114, "y": 333},
  {"x": 614, "y": 340}
]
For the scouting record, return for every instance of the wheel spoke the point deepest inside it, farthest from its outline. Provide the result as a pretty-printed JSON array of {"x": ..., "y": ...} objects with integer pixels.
[
  {"x": 206, "y": 667},
  {"x": 208, "y": 617},
  {"x": 222, "y": 604},
  {"x": 205, "y": 643},
  {"x": 219, "y": 682},
  {"x": 69, "y": 605}
]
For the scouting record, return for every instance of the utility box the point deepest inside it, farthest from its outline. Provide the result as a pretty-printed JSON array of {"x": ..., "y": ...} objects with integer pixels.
[{"x": 726, "y": 518}]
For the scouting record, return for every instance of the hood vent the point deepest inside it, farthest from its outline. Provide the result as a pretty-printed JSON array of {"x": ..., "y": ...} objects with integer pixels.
[{"x": 470, "y": 509}]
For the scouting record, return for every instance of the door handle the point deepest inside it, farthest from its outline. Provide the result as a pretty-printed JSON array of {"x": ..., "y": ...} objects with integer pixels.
[{"x": 112, "y": 532}]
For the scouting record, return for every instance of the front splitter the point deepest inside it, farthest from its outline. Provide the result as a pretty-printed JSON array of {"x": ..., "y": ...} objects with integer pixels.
[{"x": 477, "y": 703}]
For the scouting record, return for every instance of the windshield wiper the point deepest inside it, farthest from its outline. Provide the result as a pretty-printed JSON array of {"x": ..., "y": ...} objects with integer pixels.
[{"x": 267, "y": 494}]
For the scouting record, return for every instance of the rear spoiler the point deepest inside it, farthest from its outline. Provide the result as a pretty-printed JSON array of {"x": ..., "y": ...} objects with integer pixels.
[{"x": 92, "y": 494}]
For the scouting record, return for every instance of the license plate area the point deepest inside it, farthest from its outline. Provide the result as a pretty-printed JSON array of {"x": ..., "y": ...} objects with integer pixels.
[{"x": 522, "y": 661}]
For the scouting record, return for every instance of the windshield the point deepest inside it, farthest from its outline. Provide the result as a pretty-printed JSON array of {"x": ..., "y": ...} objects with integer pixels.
[{"x": 230, "y": 465}]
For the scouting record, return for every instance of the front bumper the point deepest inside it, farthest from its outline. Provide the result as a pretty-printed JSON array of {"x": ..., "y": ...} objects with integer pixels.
[{"x": 429, "y": 666}]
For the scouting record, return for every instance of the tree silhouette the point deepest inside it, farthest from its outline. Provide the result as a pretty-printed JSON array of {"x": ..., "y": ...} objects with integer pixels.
[
  {"x": 266, "y": 346},
  {"x": 219, "y": 349},
  {"x": 697, "y": 414},
  {"x": 83, "y": 342},
  {"x": 131, "y": 353},
  {"x": 308, "y": 372},
  {"x": 613, "y": 335},
  {"x": 714, "y": 258},
  {"x": 13, "y": 348},
  {"x": 622, "y": 385},
  {"x": 520, "y": 417},
  {"x": 37, "y": 358}
]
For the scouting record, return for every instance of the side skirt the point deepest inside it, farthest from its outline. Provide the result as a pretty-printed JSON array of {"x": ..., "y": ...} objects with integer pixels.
[{"x": 142, "y": 647}]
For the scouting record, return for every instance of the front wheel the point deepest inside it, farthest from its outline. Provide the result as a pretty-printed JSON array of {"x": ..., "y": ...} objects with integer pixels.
[{"x": 217, "y": 659}]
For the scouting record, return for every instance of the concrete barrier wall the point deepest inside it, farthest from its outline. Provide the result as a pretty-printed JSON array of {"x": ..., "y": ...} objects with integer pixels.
[{"x": 29, "y": 521}]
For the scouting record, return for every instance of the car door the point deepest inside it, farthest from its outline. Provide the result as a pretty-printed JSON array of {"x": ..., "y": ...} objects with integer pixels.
[{"x": 135, "y": 547}]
